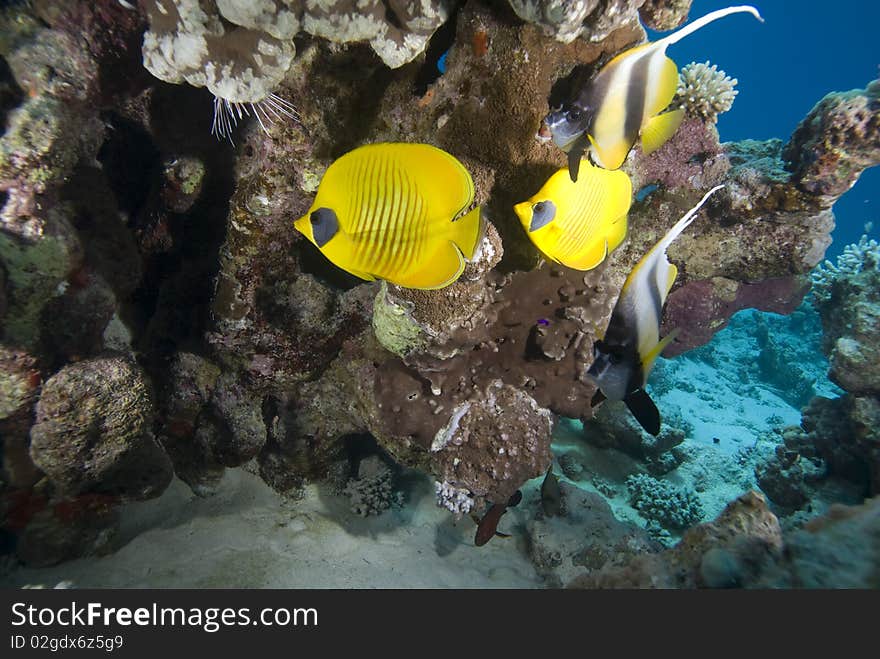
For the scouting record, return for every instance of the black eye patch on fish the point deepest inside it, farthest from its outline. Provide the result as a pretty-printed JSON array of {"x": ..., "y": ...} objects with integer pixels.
[
  {"x": 542, "y": 214},
  {"x": 325, "y": 225}
]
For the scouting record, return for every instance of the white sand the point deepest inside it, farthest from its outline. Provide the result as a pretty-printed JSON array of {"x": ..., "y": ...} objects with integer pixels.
[{"x": 249, "y": 537}]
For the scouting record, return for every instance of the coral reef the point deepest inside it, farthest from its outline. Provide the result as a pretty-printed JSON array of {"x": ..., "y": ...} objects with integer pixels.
[
  {"x": 457, "y": 500},
  {"x": 837, "y": 140},
  {"x": 856, "y": 257},
  {"x": 730, "y": 551},
  {"x": 595, "y": 20},
  {"x": 837, "y": 550},
  {"x": 745, "y": 547},
  {"x": 372, "y": 492},
  {"x": 658, "y": 501},
  {"x": 242, "y": 51},
  {"x": 188, "y": 41},
  {"x": 838, "y": 437},
  {"x": 704, "y": 91},
  {"x": 567, "y": 21},
  {"x": 181, "y": 251},
  {"x": 93, "y": 431},
  {"x": 613, "y": 426},
  {"x": 778, "y": 366}
]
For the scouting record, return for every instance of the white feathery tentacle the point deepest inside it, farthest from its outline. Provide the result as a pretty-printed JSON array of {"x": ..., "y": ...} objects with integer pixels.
[{"x": 228, "y": 113}]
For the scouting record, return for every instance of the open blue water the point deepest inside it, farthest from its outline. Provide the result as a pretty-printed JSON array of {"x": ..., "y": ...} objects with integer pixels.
[{"x": 804, "y": 50}]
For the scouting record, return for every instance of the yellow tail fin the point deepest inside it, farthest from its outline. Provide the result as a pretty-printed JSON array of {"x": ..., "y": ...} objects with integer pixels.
[
  {"x": 467, "y": 232},
  {"x": 659, "y": 129}
]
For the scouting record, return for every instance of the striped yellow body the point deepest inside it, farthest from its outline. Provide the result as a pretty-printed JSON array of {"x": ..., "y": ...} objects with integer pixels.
[
  {"x": 632, "y": 89},
  {"x": 397, "y": 207},
  {"x": 590, "y": 218}
]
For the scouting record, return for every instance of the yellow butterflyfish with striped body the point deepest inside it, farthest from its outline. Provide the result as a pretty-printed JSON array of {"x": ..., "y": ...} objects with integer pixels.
[
  {"x": 578, "y": 223},
  {"x": 626, "y": 101},
  {"x": 396, "y": 212}
]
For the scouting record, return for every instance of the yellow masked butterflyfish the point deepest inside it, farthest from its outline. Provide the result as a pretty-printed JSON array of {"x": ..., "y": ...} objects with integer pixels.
[
  {"x": 627, "y": 100},
  {"x": 578, "y": 223},
  {"x": 396, "y": 212}
]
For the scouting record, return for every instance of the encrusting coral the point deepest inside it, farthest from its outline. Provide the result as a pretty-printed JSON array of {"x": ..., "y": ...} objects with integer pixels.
[{"x": 660, "y": 502}]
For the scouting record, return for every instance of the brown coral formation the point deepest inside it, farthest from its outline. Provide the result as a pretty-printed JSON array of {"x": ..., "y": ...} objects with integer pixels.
[
  {"x": 838, "y": 139},
  {"x": 730, "y": 551},
  {"x": 746, "y": 548},
  {"x": 260, "y": 350}
]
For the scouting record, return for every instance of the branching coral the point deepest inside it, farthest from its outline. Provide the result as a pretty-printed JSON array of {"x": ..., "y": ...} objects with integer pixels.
[
  {"x": 704, "y": 91},
  {"x": 857, "y": 257},
  {"x": 660, "y": 502},
  {"x": 455, "y": 499},
  {"x": 372, "y": 492}
]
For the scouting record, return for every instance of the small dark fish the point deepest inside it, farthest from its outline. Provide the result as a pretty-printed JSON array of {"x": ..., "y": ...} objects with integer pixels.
[
  {"x": 486, "y": 527},
  {"x": 551, "y": 495}
]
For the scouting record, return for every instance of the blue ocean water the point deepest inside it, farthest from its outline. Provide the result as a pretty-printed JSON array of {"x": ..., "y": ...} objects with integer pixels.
[{"x": 801, "y": 52}]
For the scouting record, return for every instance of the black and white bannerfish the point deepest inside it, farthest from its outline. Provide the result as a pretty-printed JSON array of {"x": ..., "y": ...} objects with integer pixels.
[
  {"x": 626, "y": 100},
  {"x": 624, "y": 357}
]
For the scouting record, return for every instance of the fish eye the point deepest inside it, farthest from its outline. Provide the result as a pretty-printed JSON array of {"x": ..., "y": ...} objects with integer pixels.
[
  {"x": 543, "y": 213},
  {"x": 574, "y": 114},
  {"x": 325, "y": 225}
]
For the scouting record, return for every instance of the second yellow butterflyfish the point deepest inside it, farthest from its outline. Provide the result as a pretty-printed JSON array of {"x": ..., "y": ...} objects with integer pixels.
[{"x": 578, "y": 223}]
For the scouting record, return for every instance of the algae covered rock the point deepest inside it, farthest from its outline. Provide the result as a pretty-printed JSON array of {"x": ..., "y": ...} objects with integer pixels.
[
  {"x": 838, "y": 139},
  {"x": 493, "y": 443},
  {"x": 93, "y": 431},
  {"x": 746, "y": 532}
]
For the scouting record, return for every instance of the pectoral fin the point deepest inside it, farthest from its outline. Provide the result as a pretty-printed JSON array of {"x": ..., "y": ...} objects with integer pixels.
[
  {"x": 575, "y": 153},
  {"x": 659, "y": 129},
  {"x": 649, "y": 359},
  {"x": 644, "y": 410},
  {"x": 598, "y": 397}
]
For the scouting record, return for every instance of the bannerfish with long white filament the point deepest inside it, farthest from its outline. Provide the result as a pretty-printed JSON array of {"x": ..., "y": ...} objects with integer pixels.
[
  {"x": 625, "y": 101},
  {"x": 624, "y": 356}
]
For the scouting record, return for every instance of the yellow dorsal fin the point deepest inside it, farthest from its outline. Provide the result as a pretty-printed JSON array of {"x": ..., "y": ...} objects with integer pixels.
[
  {"x": 649, "y": 359},
  {"x": 662, "y": 89},
  {"x": 671, "y": 274},
  {"x": 659, "y": 129}
]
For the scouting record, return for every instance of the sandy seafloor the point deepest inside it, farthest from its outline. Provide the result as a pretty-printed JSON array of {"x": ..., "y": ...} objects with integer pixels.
[{"x": 249, "y": 536}]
